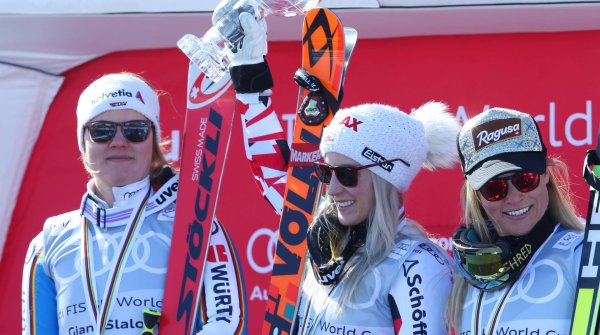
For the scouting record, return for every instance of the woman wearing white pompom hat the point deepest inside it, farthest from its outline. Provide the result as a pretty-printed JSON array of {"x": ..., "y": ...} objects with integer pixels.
[{"x": 374, "y": 270}]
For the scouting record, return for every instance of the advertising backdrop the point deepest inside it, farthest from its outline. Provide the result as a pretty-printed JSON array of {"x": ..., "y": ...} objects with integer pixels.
[{"x": 553, "y": 76}]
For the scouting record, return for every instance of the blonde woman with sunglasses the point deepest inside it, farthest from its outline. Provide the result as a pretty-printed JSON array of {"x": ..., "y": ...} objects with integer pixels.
[
  {"x": 372, "y": 270},
  {"x": 518, "y": 251}
]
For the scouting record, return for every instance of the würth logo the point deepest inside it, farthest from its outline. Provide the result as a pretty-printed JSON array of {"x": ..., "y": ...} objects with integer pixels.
[
  {"x": 217, "y": 254},
  {"x": 351, "y": 122},
  {"x": 495, "y": 131}
]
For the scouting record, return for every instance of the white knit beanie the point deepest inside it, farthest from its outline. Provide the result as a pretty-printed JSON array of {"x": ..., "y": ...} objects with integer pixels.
[
  {"x": 374, "y": 133},
  {"x": 117, "y": 91}
]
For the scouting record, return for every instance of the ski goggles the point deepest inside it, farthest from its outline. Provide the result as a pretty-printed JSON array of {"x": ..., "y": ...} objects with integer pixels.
[
  {"x": 480, "y": 263},
  {"x": 497, "y": 188},
  {"x": 347, "y": 175},
  {"x": 135, "y": 131},
  {"x": 150, "y": 321}
]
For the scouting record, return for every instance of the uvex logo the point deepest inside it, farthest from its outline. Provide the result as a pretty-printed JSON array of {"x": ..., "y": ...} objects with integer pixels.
[
  {"x": 351, "y": 122},
  {"x": 495, "y": 131},
  {"x": 167, "y": 194},
  {"x": 195, "y": 236},
  {"x": 330, "y": 277}
]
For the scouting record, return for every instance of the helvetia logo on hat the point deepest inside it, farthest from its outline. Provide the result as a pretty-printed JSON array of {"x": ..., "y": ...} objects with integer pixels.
[
  {"x": 104, "y": 95},
  {"x": 495, "y": 131},
  {"x": 375, "y": 157},
  {"x": 138, "y": 95}
]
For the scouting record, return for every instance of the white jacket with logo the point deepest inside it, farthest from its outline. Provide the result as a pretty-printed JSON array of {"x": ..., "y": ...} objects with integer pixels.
[
  {"x": 60, "y": 287},
  {"x": 404, "y": 294},
  {"x": 540, "y": 302}
]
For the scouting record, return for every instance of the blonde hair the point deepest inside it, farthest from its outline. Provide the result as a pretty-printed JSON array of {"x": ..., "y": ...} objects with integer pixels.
[
  {"x": 560, "y": 206},
  {"x": 380, "y": 240}
]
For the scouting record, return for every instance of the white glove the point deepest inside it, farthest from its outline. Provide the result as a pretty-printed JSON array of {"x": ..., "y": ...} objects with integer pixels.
[
  {"x": 222, "y": 8},
  {"x": 254, "y": 43}
]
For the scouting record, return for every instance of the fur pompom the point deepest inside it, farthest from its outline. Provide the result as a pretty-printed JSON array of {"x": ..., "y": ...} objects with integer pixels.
[{"x": 441, "y": 129}]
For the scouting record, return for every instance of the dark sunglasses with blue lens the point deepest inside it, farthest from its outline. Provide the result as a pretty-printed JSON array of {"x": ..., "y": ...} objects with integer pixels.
[{"x": 135, "y": 131}]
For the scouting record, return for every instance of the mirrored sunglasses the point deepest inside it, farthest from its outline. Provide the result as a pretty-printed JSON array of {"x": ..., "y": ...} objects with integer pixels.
[
  {"x": 347, "y": 175},
  {"x": 497, "y": 188},
  {"x": 135, "y": 131}
]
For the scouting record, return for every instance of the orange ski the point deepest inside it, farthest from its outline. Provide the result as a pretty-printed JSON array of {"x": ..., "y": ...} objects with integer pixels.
[{"x": 324, "y": 59}]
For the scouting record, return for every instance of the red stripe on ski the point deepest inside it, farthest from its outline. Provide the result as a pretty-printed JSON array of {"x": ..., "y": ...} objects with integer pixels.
[{"x": 207, "y": 132}]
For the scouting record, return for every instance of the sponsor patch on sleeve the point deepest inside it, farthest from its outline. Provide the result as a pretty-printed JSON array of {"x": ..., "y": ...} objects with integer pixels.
[
  {"x": 167, "y": 214},
  {"x": 400, "y": 250},
  {"x": 567, "y": 240}
]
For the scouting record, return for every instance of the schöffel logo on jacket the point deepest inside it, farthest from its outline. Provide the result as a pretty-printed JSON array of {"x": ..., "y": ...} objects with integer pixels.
[
  {"x": 417, "y": 298},
  {"x": 495, "y": 131}
]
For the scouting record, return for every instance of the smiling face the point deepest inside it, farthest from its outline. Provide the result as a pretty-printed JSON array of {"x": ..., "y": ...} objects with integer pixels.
[
  {"x": 118, "y": 162},
  {"x": 353, "y": 203},
  {"x": 518, "y": 212}
]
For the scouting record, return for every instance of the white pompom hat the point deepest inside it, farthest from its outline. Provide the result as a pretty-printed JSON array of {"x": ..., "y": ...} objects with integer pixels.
[
  {"x": 117, "y": 91},
  {"x": 372, "y": 133}
]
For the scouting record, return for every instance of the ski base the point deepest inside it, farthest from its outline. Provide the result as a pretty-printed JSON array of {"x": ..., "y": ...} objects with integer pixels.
[
  {"x": 207, "y": 132},
  {"x": 324, "y": 57}
]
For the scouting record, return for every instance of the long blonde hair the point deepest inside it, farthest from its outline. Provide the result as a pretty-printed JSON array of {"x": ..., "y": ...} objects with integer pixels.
[
  {"x": 560, "y": 206},
  {"x": 381, "y": 232}
]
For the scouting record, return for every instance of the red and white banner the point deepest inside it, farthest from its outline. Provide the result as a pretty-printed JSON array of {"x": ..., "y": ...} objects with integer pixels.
[{"x": 553, "y": 76}]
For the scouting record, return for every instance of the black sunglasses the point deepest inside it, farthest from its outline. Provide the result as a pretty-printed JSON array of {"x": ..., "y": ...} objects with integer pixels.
[
  {"x": 135, "y": 131},
  {"x": 497, "y": 188},
  {"x": 348, "y": 175}
]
